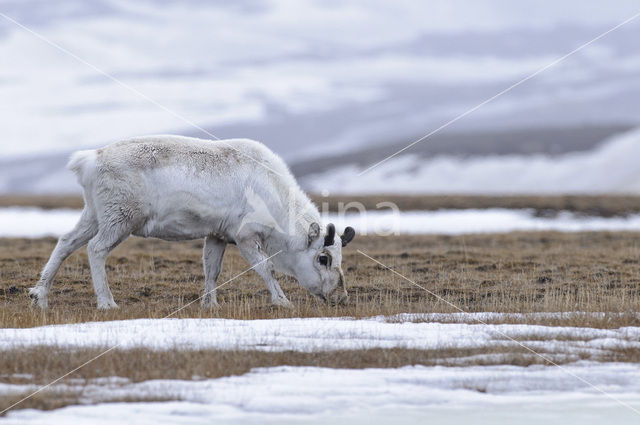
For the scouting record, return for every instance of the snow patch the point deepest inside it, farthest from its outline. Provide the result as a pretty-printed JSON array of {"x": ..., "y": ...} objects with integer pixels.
[
  {"x": 319, "y": 334},
  {"x": 35, "y": 222},
  {"x": 414, "y": 394},
  {"x": 19, "y": 222}
]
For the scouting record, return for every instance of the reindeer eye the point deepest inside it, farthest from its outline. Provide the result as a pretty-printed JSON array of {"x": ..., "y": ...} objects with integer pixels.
[{"x": 323, "y": 259}]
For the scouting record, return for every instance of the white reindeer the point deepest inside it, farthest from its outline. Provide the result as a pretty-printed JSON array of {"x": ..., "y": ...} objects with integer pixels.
[{"x": 180, "y": 188}]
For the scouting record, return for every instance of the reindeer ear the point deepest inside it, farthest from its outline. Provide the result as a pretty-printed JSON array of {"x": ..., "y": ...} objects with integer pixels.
[
  {"x": 347, "y": 236},
  {"x": 314, "y": 232}
]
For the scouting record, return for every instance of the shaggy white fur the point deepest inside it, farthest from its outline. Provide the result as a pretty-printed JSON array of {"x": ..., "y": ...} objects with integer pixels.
[{"x": 181, "y": 188}]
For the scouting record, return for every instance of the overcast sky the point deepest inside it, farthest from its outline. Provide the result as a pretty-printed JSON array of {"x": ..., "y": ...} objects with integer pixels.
[{"x": 306, "y": 77}]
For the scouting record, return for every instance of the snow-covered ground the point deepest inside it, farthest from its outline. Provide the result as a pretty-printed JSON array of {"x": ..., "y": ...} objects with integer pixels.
[
  {"x": 322, "y": 334},
  {"x": 35, "y": 222},
  {"x": 408, "y": 395},
  {"x": 581, "y": 392},
  {"x": 493, "y": 220}
]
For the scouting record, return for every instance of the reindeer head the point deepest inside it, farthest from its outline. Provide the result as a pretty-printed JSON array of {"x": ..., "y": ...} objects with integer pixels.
[{"x": 320, "y": 265}]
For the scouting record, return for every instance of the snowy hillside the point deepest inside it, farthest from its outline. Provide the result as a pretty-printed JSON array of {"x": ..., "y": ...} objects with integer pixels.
[{"x": 610, "y": 168}]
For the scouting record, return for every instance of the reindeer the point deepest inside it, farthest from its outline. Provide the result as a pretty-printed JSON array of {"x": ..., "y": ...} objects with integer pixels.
[{"x": 179, "y": 188}]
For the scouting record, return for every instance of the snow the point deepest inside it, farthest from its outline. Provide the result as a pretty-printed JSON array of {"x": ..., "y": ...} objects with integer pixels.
[
  {"x": 412, "y": 394},
  {"x": 585, "y": 392},
  {"x": 609, "y": 168},
  {"x": 320, "y": 334},
  {"x": 35, "y": 222},
  {"x": 18, "y": 222},
  {"x": 492, "y": 220}
]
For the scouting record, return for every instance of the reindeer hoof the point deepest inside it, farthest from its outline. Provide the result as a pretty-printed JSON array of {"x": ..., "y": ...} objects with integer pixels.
[
  {"x": 209, "y": 302},
  {"x": 37, "y": 298},
  {"x": 282, "y": 302},
  {"x": 107, "y": 305}
]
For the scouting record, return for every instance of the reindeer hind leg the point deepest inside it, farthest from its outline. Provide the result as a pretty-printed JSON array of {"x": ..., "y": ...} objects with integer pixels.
[{"x": 86, "y": 229}]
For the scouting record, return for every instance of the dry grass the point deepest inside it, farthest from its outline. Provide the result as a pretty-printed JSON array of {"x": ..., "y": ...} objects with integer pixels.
[
  {"x": 46, "y": 202},
  {"x": 46, "y": 364},
  {"x": 50, "y": 399},
  {"x": 520, "y": 272},
  {"x": 607, "y": 206}
]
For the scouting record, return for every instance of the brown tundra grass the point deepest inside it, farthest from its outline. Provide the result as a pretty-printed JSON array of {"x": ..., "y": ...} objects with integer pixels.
[{"x": 518, "y": 272}]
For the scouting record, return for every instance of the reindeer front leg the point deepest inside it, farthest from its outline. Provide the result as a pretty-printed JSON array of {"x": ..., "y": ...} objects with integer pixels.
[
  {"x": 252, "y": 251},
  {"x": 212, "y": 259}
]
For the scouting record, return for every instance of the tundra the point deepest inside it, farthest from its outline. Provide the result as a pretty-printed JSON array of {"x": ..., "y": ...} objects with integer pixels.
[{"x": 179, "y": 188}]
